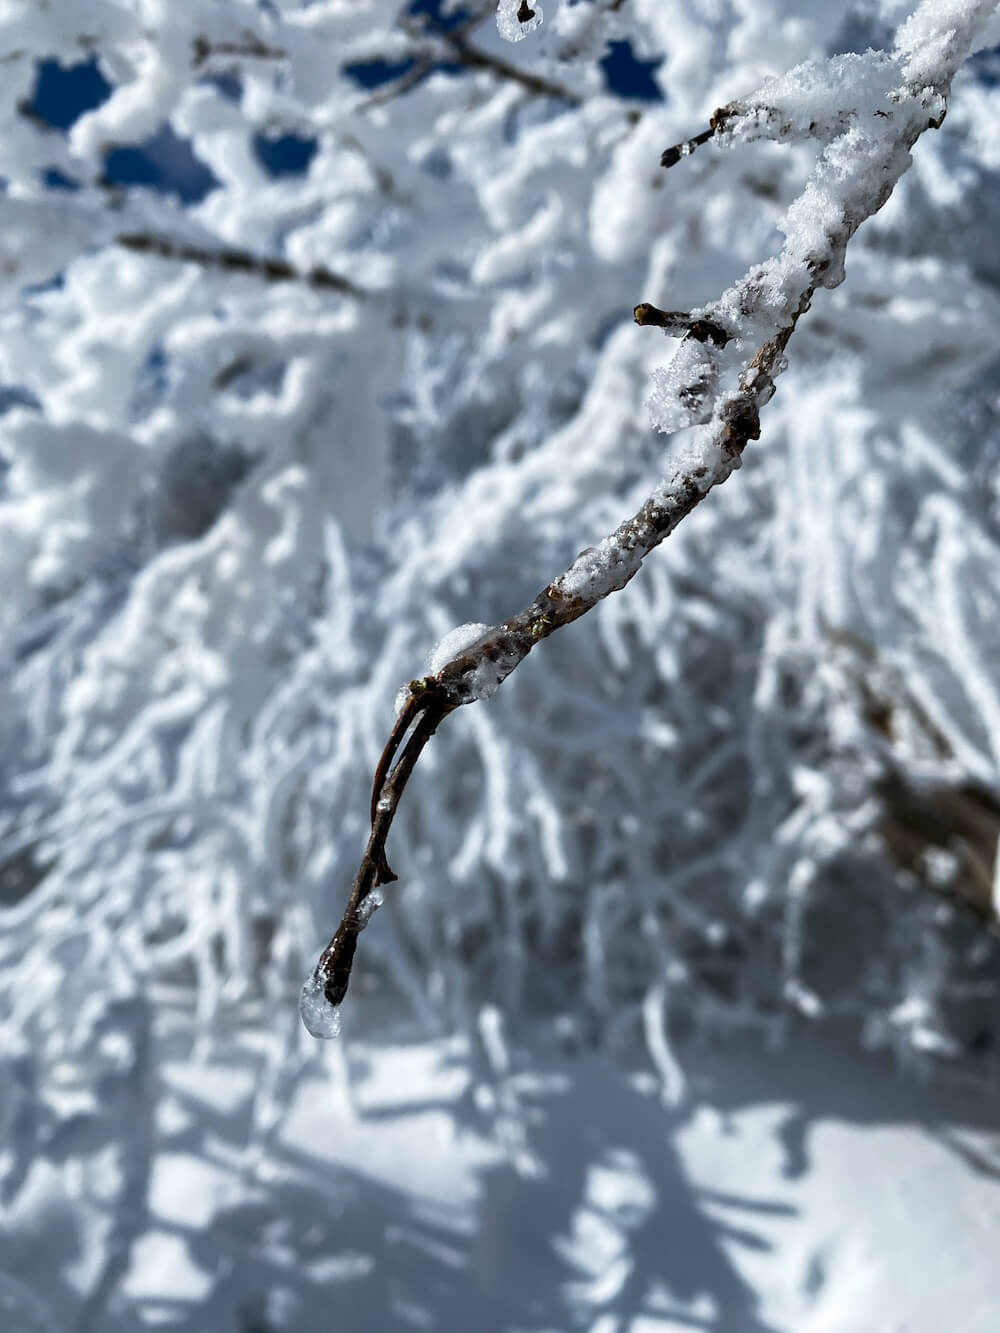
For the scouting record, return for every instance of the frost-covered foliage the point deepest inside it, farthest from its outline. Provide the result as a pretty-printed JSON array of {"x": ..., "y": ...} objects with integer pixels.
[{"x": 262, "y": 448}]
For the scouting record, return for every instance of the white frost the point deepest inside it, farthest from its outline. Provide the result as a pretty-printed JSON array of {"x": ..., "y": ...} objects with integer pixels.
[{"x": 683, "y": 389}]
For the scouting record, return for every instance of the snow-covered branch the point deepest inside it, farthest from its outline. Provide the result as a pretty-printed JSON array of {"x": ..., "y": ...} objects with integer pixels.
[{"x": 868, "y": 111}]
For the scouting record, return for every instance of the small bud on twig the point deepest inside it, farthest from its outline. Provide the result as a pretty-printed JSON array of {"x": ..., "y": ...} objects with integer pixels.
[{"x": 681, "y": 323}]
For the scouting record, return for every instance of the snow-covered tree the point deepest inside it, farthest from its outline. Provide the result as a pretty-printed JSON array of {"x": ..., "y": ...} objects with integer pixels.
[{"x": 317, "y": 342}]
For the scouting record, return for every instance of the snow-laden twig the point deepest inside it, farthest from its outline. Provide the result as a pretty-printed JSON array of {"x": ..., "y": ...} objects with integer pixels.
[{"x": 868, "y": 111}]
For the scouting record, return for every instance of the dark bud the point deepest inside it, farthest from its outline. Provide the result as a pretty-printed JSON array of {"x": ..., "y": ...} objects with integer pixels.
[
  {"x": 706, "y": 330},
  {"x": 646, "y": 314}
]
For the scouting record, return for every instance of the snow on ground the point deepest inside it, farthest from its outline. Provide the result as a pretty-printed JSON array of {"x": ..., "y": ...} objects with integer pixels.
[{"x": 406, "y": 1186}]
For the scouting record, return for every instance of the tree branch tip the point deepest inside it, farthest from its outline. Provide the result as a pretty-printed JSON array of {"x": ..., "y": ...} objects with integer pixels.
[
  {"x": 678, "y": 322},
  {"x": 671, "y": 156}
]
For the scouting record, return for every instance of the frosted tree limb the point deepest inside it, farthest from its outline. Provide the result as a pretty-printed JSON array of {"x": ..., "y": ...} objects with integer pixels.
[{"x": 897, "y": 96}]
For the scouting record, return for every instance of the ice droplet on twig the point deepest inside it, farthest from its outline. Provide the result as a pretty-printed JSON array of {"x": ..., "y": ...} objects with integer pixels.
[
  {"x": 370, "y": 903},
  {"x": 319, "y": 1016},
  {"x": 510, "y": 26}
]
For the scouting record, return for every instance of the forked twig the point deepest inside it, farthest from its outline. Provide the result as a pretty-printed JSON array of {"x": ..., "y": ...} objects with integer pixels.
[
  {"x": 412, "y": 707},
  {"x": 335, "y": 962}
]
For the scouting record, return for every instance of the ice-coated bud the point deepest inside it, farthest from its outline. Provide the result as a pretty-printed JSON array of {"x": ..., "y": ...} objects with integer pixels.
[{"x": 516, "y": 18}]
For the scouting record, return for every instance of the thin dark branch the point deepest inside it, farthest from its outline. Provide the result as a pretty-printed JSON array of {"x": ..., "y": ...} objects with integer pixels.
[
  {"x": 230, "y": 260},
  {"x": 249, "y": 48},
  {"x": 474, "y": 58},
  {"x": 407, "y": 716},
  {"x": 403, "y": 84},
  {"x": 453, "y": 45},
  {"x": 337, "y": 959}
]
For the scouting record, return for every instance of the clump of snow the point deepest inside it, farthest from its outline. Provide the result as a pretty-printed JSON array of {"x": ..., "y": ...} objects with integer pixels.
[
  {"x": 683, "y": 389},
  {"x": 816, "y": 100},
  {"x": 597, "y": 571},
  {"x": 454, "y": 643},
  {"x": 510, "y": 27},
  {"x": 320, "y": 1018},
  {"x": 937, "y": 38}
]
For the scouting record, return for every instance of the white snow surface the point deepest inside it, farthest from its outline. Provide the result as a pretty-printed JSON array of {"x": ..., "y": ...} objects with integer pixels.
[{"x": 420, "y": 1183}]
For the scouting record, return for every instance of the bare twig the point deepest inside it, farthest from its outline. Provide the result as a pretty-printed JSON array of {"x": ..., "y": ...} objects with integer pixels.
[
  {"x": 416, "y": 74},
  {"x": 438, "y": 44},
  {"x": 671, "y": 156},
  {"x": 251, "y": 47},
  {"x": 335, "y": 962},
  {"x": 230, "y": 260},
  {"x": 474, "y": 58},
  {"x": 407, "y": 715}
]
